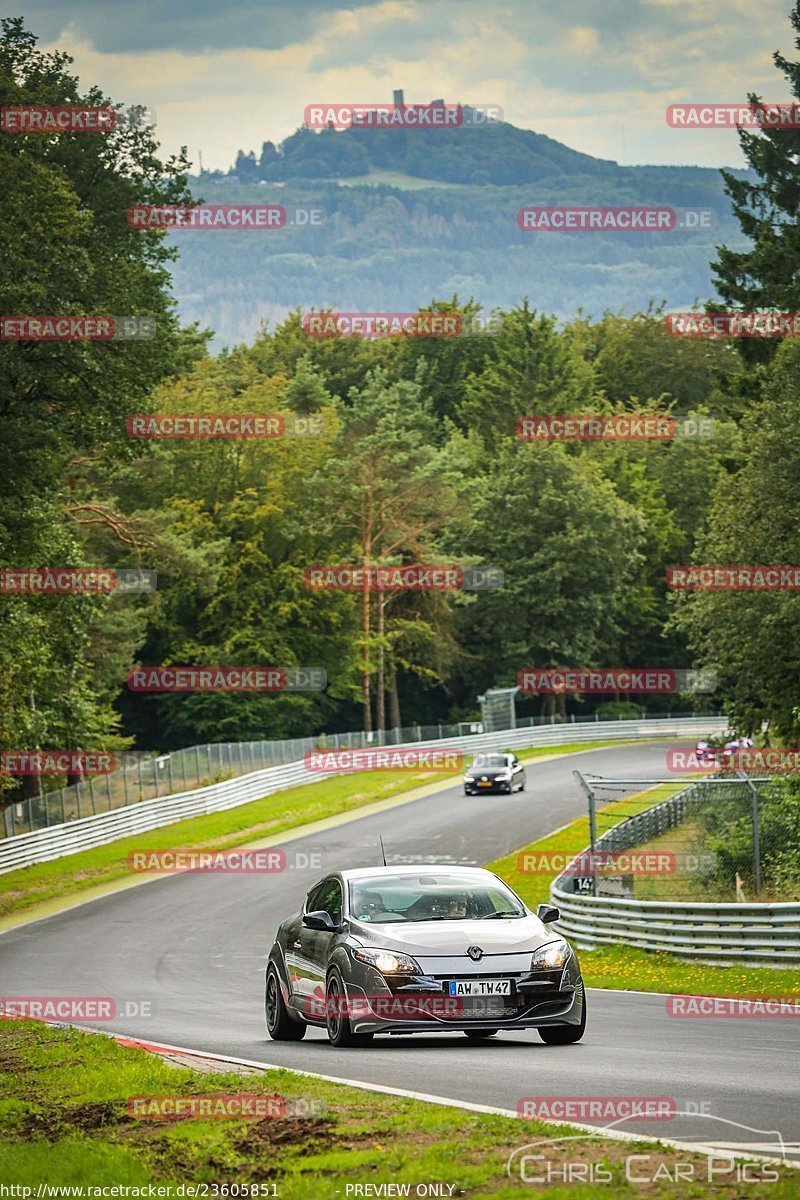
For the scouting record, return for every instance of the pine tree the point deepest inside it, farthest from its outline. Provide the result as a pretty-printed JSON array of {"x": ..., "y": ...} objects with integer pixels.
[{"x": 767, "y": 275}]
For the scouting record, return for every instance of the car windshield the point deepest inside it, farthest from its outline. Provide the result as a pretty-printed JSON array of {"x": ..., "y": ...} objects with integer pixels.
[
  {"x": 446, "y": 896},
  {"x": 491, "y": 760}
]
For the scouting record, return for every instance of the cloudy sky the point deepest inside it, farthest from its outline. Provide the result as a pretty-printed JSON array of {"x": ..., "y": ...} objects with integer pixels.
[{"x": 595, "y": 74}]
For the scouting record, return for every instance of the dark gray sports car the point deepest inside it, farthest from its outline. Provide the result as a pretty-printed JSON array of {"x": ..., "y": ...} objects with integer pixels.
[{"x": 421, "y": 949}]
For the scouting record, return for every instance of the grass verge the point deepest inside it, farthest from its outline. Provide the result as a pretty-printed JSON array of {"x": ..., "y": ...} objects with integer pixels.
[
  {"x": 74, "y": 1128},
  {"x": 263, "y": 818},
  {"x": 625, "y": 967}
]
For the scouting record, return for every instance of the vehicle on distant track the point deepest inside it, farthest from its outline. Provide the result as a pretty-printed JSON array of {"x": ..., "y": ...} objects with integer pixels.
[
  {"x": 494, "y": 772},
  {"x": 421, "y": 949}
]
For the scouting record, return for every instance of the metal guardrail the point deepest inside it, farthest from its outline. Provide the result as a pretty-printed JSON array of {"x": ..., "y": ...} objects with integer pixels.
[
  {"x": 760, "y": 933},
  {"x": 763, "y": 934},
  {"x": 143, "y": 775},
  {"x": 43, "y": 845}
]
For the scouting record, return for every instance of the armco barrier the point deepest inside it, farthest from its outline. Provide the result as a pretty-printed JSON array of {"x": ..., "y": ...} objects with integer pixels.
[
  {"x": 764, "y": 934},
  {"x": 60, "y": 840}
]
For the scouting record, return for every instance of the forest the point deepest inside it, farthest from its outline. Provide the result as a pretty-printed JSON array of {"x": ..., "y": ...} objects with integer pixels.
[{"x": 404, "y": 450}]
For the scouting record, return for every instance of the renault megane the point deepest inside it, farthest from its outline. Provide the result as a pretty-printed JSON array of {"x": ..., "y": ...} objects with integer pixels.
[{"x": 421, "y": 949}]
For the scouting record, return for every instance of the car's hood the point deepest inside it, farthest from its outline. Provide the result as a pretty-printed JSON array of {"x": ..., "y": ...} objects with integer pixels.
[
  {"x": 500, "y": 936},
  {"x": 488, "y": 772}
]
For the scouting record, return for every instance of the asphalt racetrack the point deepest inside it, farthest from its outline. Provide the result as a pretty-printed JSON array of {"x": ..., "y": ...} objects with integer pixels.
[{"x": 194, "y": 946}]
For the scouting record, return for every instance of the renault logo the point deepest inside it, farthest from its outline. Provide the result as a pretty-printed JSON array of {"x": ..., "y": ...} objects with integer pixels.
[{"x": 475, "y": 953}]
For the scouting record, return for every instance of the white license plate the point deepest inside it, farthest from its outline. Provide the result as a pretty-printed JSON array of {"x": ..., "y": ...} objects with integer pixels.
[{"x": 479, "y": 987}]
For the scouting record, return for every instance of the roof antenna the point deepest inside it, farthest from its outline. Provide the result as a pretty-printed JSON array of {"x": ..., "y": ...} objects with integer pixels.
[{"x": 383, "y": 852}]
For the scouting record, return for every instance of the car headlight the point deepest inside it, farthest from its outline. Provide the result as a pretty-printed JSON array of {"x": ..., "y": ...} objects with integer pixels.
[
  {"x": 550, "y": 957},
  {"x": 387, "y": 962},
  {"x": 503, "y": 778},
  {"x": 469, "y": 779}
]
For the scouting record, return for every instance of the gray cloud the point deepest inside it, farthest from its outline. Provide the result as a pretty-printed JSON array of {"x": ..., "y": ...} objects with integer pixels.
[{"x": 193, "y": 26}]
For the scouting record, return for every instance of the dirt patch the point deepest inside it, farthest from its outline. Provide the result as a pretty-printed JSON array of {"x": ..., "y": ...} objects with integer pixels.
[
  {"x": 316, "y": 1134},
  {"x": 11, "y": 1062},
  {"x": 258, "y": 1150},
  {"x": 90, "y": 1117}
]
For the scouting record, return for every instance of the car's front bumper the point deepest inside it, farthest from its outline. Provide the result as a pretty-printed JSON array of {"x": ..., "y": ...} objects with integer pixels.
[
  {"x": 495, "y": 785},
  {"x": 422, "y": 1005}
]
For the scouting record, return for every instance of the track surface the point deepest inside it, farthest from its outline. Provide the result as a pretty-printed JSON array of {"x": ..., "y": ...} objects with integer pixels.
[{"x": 194, "y": 946}]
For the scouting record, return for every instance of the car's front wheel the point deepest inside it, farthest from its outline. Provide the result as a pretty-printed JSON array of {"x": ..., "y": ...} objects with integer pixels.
[
  {"x": 280, "y": 1026},
  {"x": 564, "y": 1035},
  {"x": 340, "y": 1031}
]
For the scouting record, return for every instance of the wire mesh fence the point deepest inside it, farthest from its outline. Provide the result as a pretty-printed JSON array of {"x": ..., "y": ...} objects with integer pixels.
[{"x": 731, "y": 837}]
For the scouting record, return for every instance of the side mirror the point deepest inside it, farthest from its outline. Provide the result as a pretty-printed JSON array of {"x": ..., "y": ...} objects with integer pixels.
[
  {"x": 319, "y": 920},
  {"x": 547, "y": 913}
]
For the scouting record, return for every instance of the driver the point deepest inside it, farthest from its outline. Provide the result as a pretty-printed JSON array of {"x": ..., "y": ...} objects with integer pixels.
[
  {"x": 457, "y": 906},
  {"x": 371, "y": 905}
]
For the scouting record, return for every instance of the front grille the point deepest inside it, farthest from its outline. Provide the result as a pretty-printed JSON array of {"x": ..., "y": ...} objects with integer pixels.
[
  {"x": 536, "y": 994},
  {"x": 456, "y": 974}
]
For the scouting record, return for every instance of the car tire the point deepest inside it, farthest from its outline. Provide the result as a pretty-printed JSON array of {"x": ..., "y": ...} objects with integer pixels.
[
  {"x": 340, "y": 1031},
  {"x": 564, "y": 1035},
  {"x": 478, "y": 1035},
  {"x": 280, "y": 1026},
  {"x": 522, "y": 786}
]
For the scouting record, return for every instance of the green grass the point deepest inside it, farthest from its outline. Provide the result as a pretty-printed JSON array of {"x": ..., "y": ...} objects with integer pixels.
[
  {"x": 627, "y": 968},
  {"x": 263, "y": 818},
  {"x": 686, "y": 838},
  {"x": 64, "y": 1121},
  {"x": 691, "y": 837}
]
